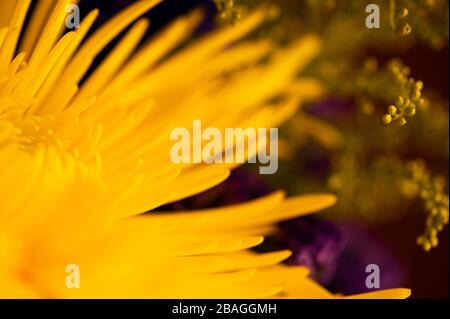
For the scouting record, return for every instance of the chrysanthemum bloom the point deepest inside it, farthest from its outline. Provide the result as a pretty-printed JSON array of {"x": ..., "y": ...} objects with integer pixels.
[{"x": 80, "y": 164}]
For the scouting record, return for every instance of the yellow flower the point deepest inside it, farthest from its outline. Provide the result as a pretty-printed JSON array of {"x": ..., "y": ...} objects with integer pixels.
[{"x": 81, "y": 164}]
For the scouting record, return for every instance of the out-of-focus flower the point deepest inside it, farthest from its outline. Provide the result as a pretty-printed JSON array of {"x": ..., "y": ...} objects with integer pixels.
[
  {"x": 360, "y": 250},
  {"x": 315, "y": 243},
  {"x": 338, "y": 253}
]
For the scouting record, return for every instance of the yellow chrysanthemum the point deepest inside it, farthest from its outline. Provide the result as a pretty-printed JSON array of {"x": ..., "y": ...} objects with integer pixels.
[{"x": 81, "y": 164}]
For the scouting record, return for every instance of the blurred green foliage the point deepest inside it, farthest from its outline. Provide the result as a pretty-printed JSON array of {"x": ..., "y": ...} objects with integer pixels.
[{"x": 376, "y": 169}]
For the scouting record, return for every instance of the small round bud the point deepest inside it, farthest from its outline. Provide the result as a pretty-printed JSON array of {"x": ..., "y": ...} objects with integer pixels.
[
  {"x": 434, "y": 241},
  {"x": 402, "y": 13},
  {"x": 401, "y": 121},
  {"x": 387, "y": 119},
  {"x": 410, "y": 111},
  {"x": 404, "y": 29},
  {"x": 420, "y": 240},
  {"x": 392, "y": 110},
  {"x": 406, "y": 102},
  {"x": 419, "y": 85}
]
